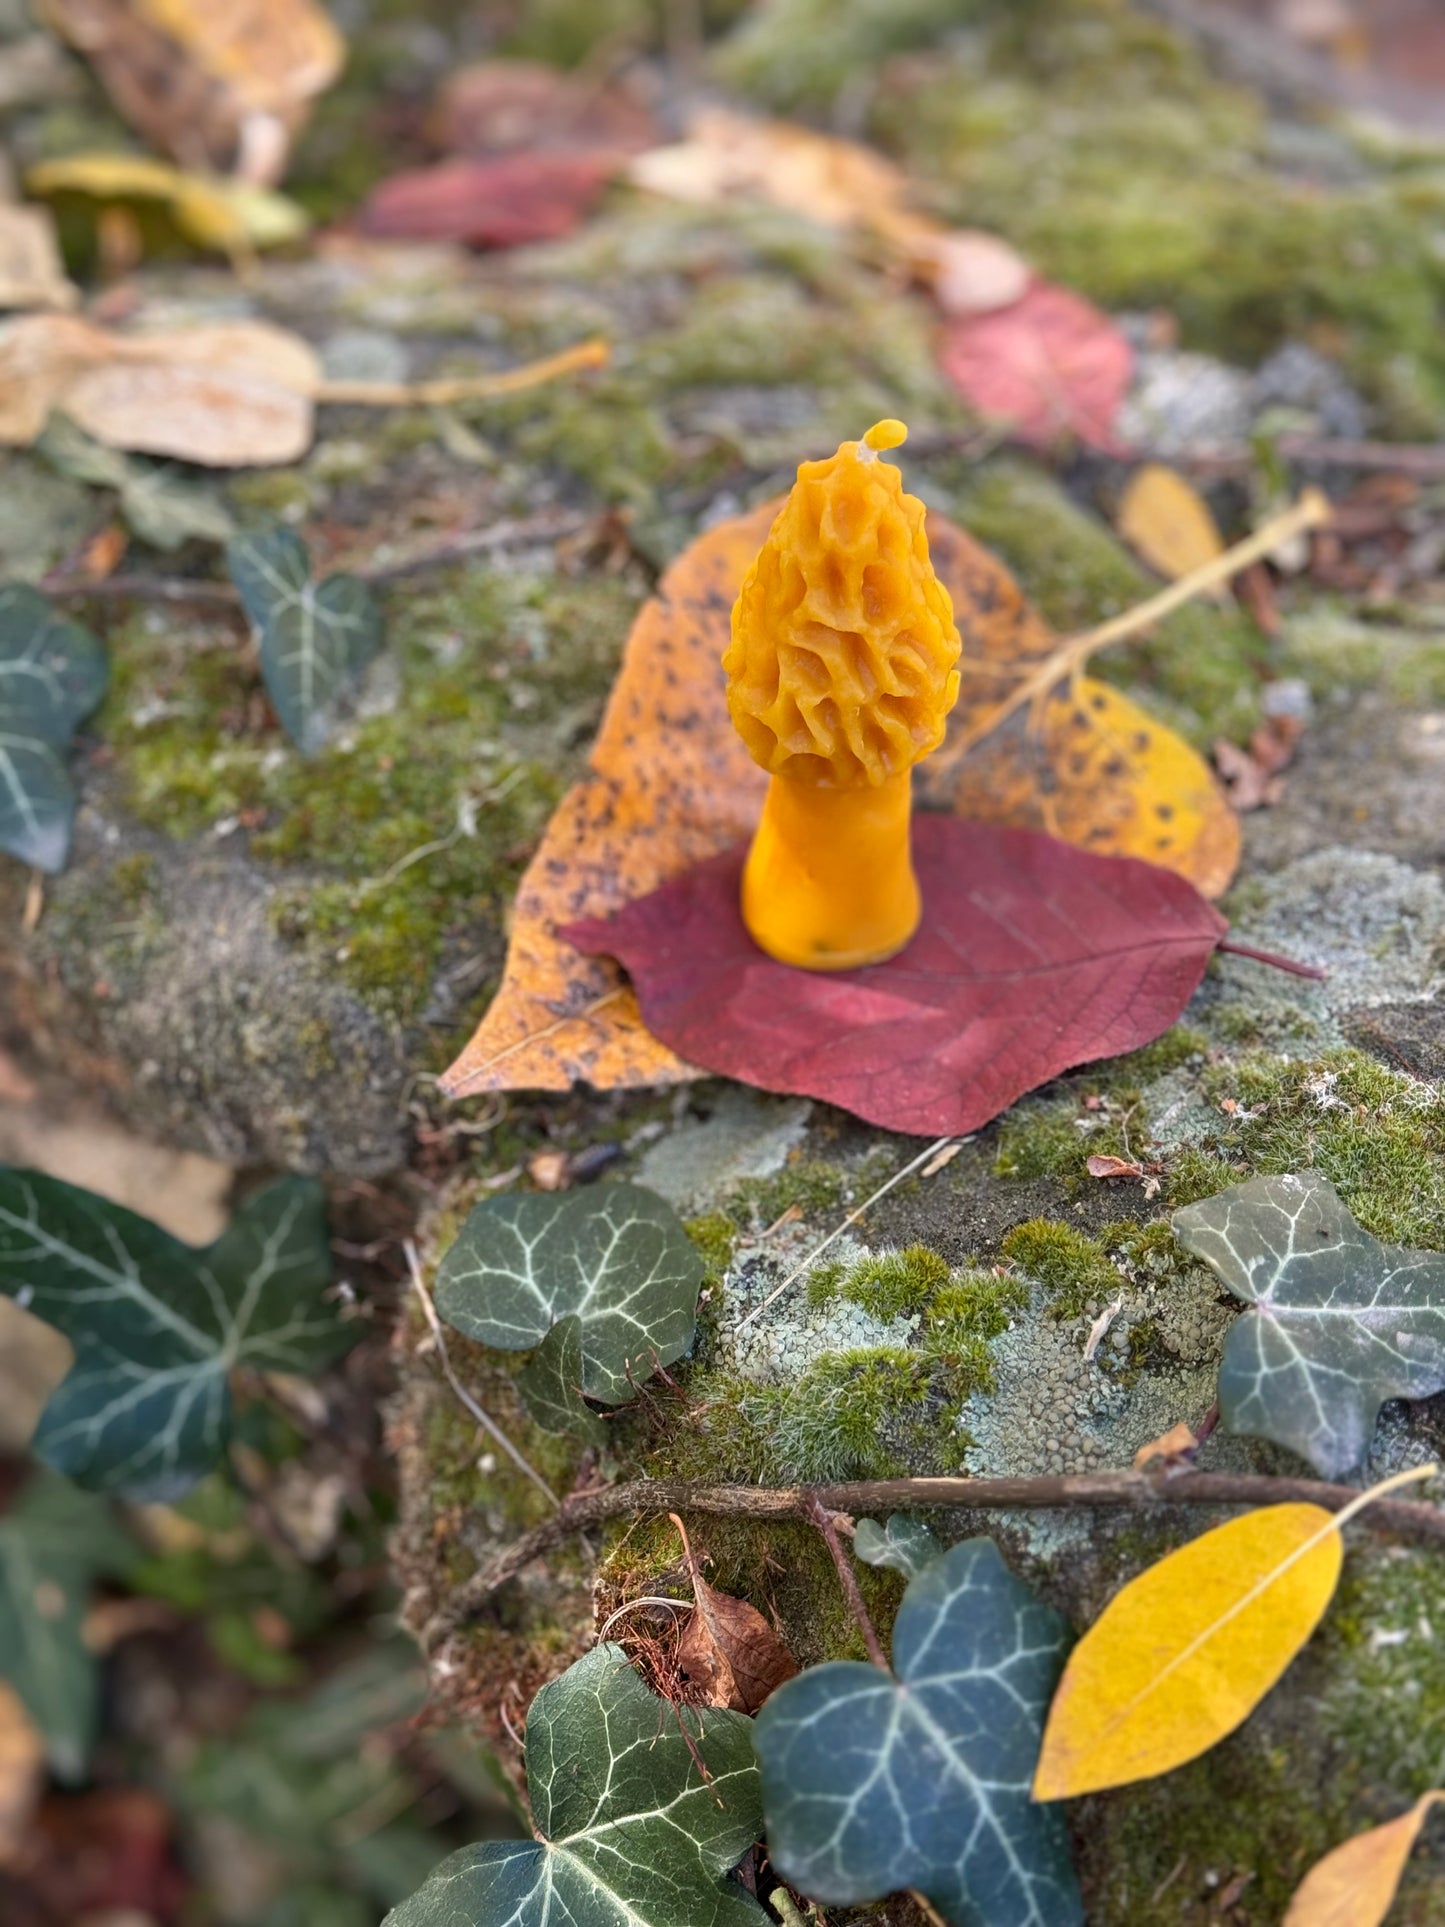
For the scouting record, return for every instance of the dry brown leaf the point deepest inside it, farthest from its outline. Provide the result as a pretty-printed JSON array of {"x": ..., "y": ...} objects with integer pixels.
[
  {"x": 1168, "y": 524},
  {"x": 1354, "y": 1885},
  {"x": 1173, "y": 1444},
  {"x": 834, "y": 181},
  {"x": 969, "y": 271},
  {"x": 232, "y": 395},
  {"x": 727, "y": 1647},
  {"x": 671, "y": 784},
  {"x": 1103, "y": 1165},
  {"x": 215, "y": 83},
  {"x": 22, "y": 1773},
  {"x": 30, "y": 272}
]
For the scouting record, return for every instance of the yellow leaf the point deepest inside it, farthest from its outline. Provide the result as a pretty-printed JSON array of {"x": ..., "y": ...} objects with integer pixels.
[
  {"x": 232, "y": 217},
  {"x": 1354, "y": 1885},
  {"x": 1169, "y": 524},
  {"x": 1186, "y": 1651}
]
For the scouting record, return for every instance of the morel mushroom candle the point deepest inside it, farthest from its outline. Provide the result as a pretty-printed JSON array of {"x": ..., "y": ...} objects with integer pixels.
[{"x": 841, "y": 672}]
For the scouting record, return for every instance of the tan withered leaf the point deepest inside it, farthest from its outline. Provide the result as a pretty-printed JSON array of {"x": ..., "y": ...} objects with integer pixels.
[
  {"x": 671, "y": 784},
  {"x": 230, "y": 395},
  {"x": 727, "y": 1647},
  {"x": 1355, "y": 1884},
  {"x": 30, "y": 272},
  {"x": 22, "y": 1773},
  {"x": 218, "y": 83}
]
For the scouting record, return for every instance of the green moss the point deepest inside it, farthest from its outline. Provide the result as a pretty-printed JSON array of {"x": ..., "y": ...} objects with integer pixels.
[
  {"x": 714, "y": 1235},
  {"x": 803, "y": 53},
  {"x": 1196, "y": 1174},
  {"x": 852, "y": 1415},
  {"x": 1071, "y": 1267},
  {"x": 897, "y": 1284},
  {"x": 410, "y": 824},
  {"x": 1378, "y": 1136},
  {"x": 975, "y": 1304},
  {"x": 133, "y": 878},
  {"x": 1045, "y": 1137},
  {"x": 823, "y": 1283},
  {"x": 807, "y": 1184},
  {"x": 1335, "y": 651},
  {"x": 1101, "y": 144},
  {"x": 1384, "y": 1666},
  {"x": 272, "y": 494}
]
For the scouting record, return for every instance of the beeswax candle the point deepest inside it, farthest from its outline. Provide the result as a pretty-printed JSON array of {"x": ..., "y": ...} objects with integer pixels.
[{"x": 841, "y": 673}]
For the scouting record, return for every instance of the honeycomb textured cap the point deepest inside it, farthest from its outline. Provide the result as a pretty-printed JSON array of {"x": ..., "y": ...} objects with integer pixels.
[{"x": 843, "y": 662}]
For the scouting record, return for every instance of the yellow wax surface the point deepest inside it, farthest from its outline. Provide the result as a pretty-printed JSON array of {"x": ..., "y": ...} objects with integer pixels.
[
  {"x": 841, "y": 672},
  {"x": 842, "y": 666}
]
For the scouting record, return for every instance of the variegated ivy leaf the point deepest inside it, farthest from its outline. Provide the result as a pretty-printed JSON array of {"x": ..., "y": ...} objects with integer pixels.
[
  {"x": 54, "y": 1541},
  {"x": 873, "y": 1784},
  {"x": 52, "y": 675},
  {"x": 316, "y": 638},
  {"x": 616, "y": 1255},
  {"x": 629, "y": 1833},
  {"x": 552, "y": 1385},
  {"x": 1338, "y": 1322},
  {"x": 905, "y": 1544},
  {"x": 158, "y": 1326}
]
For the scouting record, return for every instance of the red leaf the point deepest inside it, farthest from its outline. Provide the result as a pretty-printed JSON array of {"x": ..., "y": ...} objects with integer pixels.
[
  {"x": 1033, "y": 956},
  {"x": 490, "y": 203},
  {"x": 1049, "y": 364}
]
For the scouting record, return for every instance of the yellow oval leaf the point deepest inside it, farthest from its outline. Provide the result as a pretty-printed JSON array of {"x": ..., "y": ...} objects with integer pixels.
[
  {"x": 1354, "y": 1885},
  {"x": 1186, "y": 1651},
  {"x": 1168, "y": 523}
]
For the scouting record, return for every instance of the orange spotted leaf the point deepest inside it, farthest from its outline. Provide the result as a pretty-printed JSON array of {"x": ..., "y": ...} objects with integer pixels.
[{"x": 671, "y": 784}]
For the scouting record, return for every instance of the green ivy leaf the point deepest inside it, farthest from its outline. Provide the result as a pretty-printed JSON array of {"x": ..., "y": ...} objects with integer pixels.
[
  {"x": 905, "y": 1544},
  {"x": 52, "y": 675},
  {"x": 53, "y": 1542},
  {"x": 872, "y": 1783},
  {"x": 162, "y": 505},
  {"x": 616, "y": 1255},
  {"x": 158, "y": 1325},
  {"x": 552, "y": 1385},
  {"x": 1338, "y": 1322},
  {"x": 315, "y": 638},
  {"x": 629, "y": 1833}
]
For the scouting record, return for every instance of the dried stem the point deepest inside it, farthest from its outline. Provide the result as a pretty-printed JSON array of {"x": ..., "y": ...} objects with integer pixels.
[
  {"x": 484, "y": 1418},
  {"x": 443, "y": 394},
  {"x": 1270, "y": 957},
  {"x": 933, "y": 1156},
  {"x": 551, "y": 526},
  {"x": 848, "y": 1580},
  {"x": 1408, "y": 1520},
  {"x": 1311, "y": 511}
]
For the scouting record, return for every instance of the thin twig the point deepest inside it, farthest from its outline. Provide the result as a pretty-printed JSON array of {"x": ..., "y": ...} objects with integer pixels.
[
  {"x": 142, "y": 588},
  {"x": 1408, "y": 1520},
  {"x": 488, "y": 1424},
  {"x": 934, "y": 1150},
  {"x": 593, "y": 353},
  {"x": 1311, "y": 511},
  {"x": 848, "y": 1580},
  {"x": 552, "y": 526}
]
